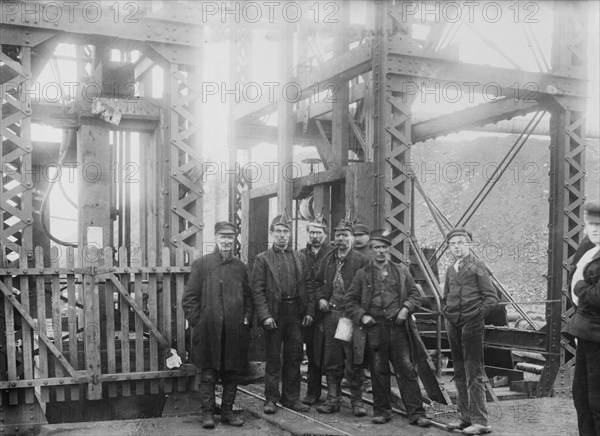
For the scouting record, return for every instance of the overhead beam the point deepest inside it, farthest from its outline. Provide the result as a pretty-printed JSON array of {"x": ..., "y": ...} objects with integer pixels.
[
  {"x": 334, "y": 174},
  {"x": 346, "y": 66},
  {"x": 144, "y": 118},
  {"x": 469, "y": 77},
  {"x": 90, "y": 18},
  {"x": 324, "y": 106},
  {"x": 475, "y": 116}
]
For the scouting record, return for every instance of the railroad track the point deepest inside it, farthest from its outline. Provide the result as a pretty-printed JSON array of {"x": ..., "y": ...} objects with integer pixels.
[{"x": 315, "y": 424}]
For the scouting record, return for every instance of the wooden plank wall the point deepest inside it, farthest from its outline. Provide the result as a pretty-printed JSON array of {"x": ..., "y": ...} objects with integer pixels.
[{"x": 132, "y": 355}]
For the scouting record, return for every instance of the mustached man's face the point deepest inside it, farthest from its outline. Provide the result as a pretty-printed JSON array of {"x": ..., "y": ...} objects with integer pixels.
[
  {"x": 316, "y": 236},
  {"x": 361, "y": 240},
  {"x": 225, "y": 243},
  {"x": 380, "y": 251},
  {"x": 281, "y": 236},
  {"x": 343, "y": 239},
  {"x": 460, "y": 246},
  {"x": 592, "y": 227}
]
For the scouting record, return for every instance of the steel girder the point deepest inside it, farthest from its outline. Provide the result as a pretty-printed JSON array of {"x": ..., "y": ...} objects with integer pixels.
[
  {"x": 16, "y": 205},
  {"x": 567, "y": 175},
  {"x": 393, "y": 185}
]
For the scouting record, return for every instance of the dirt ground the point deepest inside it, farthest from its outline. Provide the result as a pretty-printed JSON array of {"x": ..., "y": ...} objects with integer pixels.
[{"x": 530, "y": 417}]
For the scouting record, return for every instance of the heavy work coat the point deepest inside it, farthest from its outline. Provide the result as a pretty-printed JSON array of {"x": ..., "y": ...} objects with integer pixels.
[
  {"x": 218, "y": 295},
  {"x": 324, "y": 286},
  {"x": 469, "y": 292},
  {"x": 358, "y": 303},
  {"x": 585, "y": 323},
  {"x": 266, "y": 290}
]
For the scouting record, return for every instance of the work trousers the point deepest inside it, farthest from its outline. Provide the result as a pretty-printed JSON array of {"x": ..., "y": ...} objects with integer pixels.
[
  {"x": 339, "y": 355},
  {"x": 287, "y": 334},
  {"x": 388, "y": 342},
  {"x": 466, "y": 345},
  {"x": 314, "y": 368},
  {"x": 586, "y": 387},
  {"x": 209, "y": 378}
]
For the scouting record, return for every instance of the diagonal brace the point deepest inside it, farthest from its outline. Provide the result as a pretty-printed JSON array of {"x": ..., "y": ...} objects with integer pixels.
[{"x": 61, "y": 358}]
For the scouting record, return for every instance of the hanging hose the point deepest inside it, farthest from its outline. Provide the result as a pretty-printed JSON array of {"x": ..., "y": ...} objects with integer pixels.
[{"x": 64, "y": 147}]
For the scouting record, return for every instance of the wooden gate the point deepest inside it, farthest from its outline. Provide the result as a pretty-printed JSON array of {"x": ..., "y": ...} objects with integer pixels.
[{"x": 98, "y": 331}]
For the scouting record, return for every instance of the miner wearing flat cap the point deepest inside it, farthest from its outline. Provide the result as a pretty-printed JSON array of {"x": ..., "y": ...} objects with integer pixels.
[
  {"x": 284, "y": 304},
  {"x": 585, "y": 324},
  {"x": 469, "y": 297},
  {"x": 217, "y": 303},
  {"x": 380, "y": 302},
  {"x": 361, "y": 238}
]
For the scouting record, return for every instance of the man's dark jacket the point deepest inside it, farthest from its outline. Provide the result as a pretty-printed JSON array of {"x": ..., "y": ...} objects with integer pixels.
[
  {"x": 324, "y": 285},
  {"x": 358, "y": 303},
  {"x": 266, "y": 290},
  {"x": 469, "y": 292},
  {"x": 313, "y": 261},
  {"x": 585, "y": 323},
  {"x": 216, "y": 294}
]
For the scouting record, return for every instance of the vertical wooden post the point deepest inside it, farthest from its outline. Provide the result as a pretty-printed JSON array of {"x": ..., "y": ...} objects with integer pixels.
[
  {"x": 285, "y": 122},
  {"x": 94, "y": 233}
]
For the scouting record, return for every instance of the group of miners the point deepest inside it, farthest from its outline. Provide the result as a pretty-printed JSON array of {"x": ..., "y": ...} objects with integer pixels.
[{"x": 314, "y": 297}]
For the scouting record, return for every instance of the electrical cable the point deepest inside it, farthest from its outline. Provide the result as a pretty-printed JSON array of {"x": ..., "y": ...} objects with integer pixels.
[{"x": 62, "y": 155}]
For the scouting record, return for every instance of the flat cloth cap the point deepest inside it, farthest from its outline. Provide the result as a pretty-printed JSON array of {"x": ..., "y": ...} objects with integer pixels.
[
  {"x": 384, "y": 235},
  {"x": 360, "y": 229},
  {"x": 459, "y": 231},
  {"x": 592, "y": 208},
  {"x": 225, "y": 227}
]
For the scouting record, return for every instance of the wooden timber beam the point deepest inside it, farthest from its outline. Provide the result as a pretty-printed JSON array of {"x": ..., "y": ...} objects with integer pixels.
[
  {"x": 334, "y": 174},
  {"x": 142, "y": 115},
  {"x": 475, "y": 116},
  {"x": 348, "y": 65},
  {"x": 323, "y": 106}
]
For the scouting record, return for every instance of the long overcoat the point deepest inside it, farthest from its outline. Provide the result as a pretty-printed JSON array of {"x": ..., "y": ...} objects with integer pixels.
[
  {"x": 358, "y": 303},
  {"x": 216, "y": 300}
]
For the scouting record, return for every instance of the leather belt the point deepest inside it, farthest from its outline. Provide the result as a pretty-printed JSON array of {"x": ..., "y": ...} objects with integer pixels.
[{"x": 289, "y": 299}]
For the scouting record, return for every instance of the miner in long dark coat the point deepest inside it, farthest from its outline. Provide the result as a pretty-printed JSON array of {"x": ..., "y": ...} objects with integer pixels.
[
  {"x": 283, "y": 305},
  {"x": 218, "y": 305}
]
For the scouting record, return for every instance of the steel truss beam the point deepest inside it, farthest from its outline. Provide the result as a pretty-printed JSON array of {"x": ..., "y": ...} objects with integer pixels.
[
  {"x": 184, "y": 193},
  {"x": 567, "y": 195},
  {"x": 502, "y": 109},
  {"x": 16, "y": 207}
]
